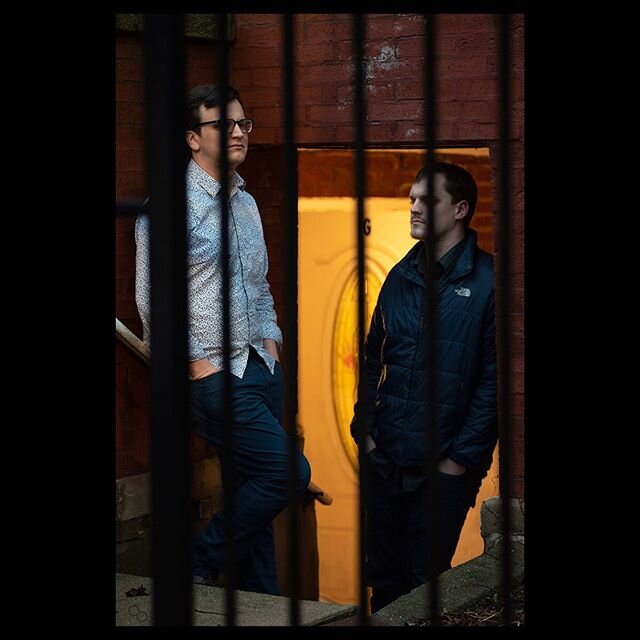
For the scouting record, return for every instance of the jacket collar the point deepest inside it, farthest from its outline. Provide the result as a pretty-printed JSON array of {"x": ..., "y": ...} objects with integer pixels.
[{"x": 407, "y": 266}]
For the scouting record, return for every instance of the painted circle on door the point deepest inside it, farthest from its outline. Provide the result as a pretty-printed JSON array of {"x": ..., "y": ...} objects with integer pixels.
[{"x": 344, "y": 364}]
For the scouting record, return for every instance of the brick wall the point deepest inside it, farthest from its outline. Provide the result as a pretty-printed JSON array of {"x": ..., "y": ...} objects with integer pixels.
[{"x": 466, "y": 108}]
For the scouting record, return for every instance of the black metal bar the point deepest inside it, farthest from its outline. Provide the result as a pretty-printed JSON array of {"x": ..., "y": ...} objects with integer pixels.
[
  {"x": 359, "y": 128},
  {"x": 291, "y": 313},
  {"x": 504, "y": 342},
  {"x": 432, "y": 435},
  {"x": 227, "y": 467},
  {"x": 170, "y": 468}
]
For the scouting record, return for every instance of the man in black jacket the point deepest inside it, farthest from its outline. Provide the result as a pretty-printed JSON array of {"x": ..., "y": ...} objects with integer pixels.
[{"x": 390, "y": 420}]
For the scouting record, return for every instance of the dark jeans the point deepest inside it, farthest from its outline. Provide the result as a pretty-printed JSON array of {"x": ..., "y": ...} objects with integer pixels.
[
  {"x": 260, "y": 458},
  {"x": 398, "y": 530}
]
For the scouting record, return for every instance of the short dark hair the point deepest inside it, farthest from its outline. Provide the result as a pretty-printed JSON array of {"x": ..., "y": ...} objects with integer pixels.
[
  {"x": 209, "y": 96},
  {"x": 458, "y": 182}
]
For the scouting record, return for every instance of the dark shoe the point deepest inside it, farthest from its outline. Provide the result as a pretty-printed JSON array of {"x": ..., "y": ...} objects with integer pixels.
[{"x": 210, "y": 581}]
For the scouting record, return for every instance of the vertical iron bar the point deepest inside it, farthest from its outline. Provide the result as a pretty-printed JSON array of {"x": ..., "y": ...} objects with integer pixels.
[
  {"x": 359, "y": 126},
  {"x": 170, "y": 468},
  {"x": 228, "y": 469},
  {"x": 504, "y": 342},
  {"x": 291, "y": 314},
  {"x": 432, "y": 436}
]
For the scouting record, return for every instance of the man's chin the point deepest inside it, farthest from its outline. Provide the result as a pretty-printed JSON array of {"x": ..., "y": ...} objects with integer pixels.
[{"x": 235, "y": 161}]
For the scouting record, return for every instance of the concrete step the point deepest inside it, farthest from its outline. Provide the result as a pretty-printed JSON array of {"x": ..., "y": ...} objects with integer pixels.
[{"x": 253, "y": 609}]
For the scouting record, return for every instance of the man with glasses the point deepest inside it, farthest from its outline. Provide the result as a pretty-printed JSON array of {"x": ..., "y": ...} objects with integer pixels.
[
  {"x": 260, "y": 445},
  {"x": 390, "y": 417}
]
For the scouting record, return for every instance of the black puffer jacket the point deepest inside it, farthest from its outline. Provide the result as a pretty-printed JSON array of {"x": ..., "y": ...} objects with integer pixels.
[{"x": 466, "y": 364}]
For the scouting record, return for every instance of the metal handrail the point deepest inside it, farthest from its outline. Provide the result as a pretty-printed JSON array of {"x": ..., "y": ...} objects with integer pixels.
[{"x": 142, "y": 352}]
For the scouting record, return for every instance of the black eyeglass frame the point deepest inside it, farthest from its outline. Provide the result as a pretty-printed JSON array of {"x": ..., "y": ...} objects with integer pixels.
[{"x": 242, "y": 123}]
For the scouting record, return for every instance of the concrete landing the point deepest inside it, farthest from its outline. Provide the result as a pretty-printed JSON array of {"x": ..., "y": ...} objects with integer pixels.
[
  {"x": 253, "y": 609},
  {"x": 460, "y": 587}
]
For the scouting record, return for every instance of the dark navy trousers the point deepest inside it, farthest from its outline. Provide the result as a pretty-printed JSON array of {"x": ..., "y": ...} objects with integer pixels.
[
  {"x": 260, "y": 450},
  {"x": 398, "y": 531}
]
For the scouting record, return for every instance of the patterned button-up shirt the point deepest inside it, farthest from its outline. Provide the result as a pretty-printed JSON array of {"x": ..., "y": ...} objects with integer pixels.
[{"x": 253, "y": 317}]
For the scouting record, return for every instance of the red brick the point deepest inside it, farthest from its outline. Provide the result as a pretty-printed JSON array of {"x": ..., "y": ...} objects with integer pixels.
[
  {"x": 517, "y": 487},
  {"x": 470, "y": 43},
  {"x": 409, "y": 90},
  {"x": 327, "y": 73},
  {"x": 343, "y": 50},
  {"x": 270, "y": 133},
  {"x": 241, "y": 79},
  {"x": 129, "y": 92},
  {"x": 479, "y": 111},
  {"x": 129, "y": 161},
  {"x": 330, "y": 114},
  {"x": 468, "y": 67},
  {"x": 327, "y": 28},
  {"x": 476, "y": 132},
  {"x": 376, "y": 132},
  {"x": 130, "y": 185},
  {"x": 129, "y": 113},
  {"x": 314, "y": 53},
  {"x": 128, "y": 47},
  {"x": 260, "y": 97},
  {"x": 448, "y": 111},
  {"x": 516, "y": 68},
  {"x": 119, "y": 288},
  {"x": 128, "y": 69},
  {"x": 258, "y": 31},
  {"x": 126, "y": 306},
  {"x": 466, "y": 22},
  {"x": 266, "y": 77},
  {"x": 130, "y": 136},
  {"x": 409, "y": 131},
  {"x": 260, "y": 57},
  {"x": 516, "y": 404},
  {"x": 200, "y": 75},
  {"x": 517, "y": 383},
  {"x": 124, "y": 227},
  {"x": 405, "y": 110},
  {"x": 266, "y": 114},
  {"x": 397, "y": 25},
  {"x": 412, "y": 47}
]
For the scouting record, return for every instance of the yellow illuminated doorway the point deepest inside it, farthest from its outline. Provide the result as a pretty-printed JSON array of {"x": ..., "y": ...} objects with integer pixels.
[{"x": 328, "y": 365}]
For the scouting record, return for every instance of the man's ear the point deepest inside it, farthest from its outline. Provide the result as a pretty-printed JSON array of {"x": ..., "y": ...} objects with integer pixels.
[
  {"x": 462, "y": 209},
  {"x": 192, "y": 140}
]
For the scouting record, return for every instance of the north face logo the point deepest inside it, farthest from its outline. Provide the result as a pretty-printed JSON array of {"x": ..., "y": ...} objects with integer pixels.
[{"x": 464, "y": 292}]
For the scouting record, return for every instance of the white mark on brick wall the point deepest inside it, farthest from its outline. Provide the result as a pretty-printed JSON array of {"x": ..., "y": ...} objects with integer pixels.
[{"x": 386, "y": 60}]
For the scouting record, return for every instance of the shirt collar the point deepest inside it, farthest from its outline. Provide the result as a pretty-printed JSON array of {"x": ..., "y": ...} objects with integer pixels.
[
  {"x": 196, "y": 174},
  {"x": 446, "y": 262}
]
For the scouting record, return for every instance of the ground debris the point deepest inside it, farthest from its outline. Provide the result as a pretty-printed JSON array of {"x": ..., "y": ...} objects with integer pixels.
[{"x": 484, "y": 613}]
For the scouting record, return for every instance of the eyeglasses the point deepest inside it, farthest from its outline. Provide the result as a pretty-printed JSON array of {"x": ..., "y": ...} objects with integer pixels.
[{"x": 246, "y": 124}]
